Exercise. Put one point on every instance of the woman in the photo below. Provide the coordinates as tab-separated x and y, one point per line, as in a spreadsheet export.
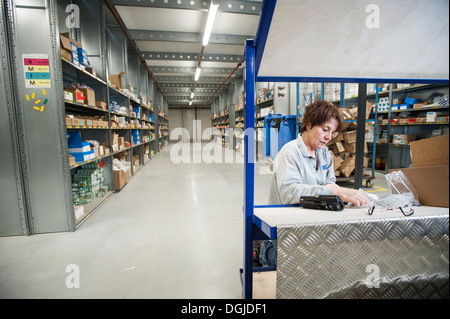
304	167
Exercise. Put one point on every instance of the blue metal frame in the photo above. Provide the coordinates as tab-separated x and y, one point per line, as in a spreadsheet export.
253	55
249	169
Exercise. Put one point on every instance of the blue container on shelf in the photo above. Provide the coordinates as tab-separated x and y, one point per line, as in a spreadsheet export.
278	130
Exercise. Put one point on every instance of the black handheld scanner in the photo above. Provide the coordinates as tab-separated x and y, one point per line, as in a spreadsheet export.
322	202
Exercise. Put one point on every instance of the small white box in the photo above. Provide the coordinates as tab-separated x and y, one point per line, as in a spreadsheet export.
431	116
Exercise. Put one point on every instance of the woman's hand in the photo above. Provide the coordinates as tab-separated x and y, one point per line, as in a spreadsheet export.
353	196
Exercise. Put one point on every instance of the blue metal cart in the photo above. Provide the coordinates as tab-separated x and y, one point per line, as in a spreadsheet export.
281	53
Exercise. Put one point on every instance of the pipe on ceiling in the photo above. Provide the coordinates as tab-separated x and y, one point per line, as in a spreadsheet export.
119	21
223	83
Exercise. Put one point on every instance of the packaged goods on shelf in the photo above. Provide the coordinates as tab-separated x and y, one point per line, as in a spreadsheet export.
403	138
431	116
69	48
83	57
88	183
136	137
68	96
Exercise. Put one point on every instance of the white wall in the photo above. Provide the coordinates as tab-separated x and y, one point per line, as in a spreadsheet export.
185	119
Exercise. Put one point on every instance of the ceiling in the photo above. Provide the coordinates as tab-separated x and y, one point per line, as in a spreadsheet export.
169	34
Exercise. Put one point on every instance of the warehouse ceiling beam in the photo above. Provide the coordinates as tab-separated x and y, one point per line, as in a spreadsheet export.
172	69
231	6
186	85
188	79
186	98
186	56
183	94
193	37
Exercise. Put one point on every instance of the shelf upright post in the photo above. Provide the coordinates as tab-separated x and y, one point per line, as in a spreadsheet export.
374	146
249	166
360	132
39	111
386	167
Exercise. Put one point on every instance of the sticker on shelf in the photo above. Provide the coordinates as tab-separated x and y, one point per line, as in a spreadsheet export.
40	104
37	71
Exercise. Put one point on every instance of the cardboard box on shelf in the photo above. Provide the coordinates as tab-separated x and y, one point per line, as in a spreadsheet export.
349	137
89	95
121	142
337	160
404	137
400	141
69	47
77	95
121	179
71	160
430	183
348	166
340	147
430	151
116	80
100	104
351	147
78	122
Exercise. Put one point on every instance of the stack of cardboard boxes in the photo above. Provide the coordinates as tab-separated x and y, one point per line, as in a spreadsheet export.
264	94
73	51
429	172
343	145
241	103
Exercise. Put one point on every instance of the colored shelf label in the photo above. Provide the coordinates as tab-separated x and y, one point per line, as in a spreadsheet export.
37	71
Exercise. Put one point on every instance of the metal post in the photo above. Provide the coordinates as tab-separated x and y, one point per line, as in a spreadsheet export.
249	168
360	132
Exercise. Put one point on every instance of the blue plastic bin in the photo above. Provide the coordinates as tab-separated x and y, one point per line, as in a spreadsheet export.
278	130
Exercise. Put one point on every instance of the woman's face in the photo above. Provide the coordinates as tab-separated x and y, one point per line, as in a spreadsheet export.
320	135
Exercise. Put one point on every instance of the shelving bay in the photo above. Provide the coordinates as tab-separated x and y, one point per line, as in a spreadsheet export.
137	130
220	125
394	123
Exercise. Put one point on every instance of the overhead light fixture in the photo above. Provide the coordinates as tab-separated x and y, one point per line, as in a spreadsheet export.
192	95
197	73
190	102
210	22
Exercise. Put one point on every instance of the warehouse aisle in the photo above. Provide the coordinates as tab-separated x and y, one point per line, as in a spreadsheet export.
174	231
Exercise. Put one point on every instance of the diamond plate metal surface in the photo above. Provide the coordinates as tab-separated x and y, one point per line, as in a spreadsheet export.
399	258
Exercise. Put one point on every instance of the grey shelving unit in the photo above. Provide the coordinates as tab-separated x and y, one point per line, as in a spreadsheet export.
34	131
403	121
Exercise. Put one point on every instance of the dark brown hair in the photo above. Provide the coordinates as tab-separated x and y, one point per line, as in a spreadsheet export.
320	112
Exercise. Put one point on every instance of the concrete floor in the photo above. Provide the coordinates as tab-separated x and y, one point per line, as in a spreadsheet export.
174	231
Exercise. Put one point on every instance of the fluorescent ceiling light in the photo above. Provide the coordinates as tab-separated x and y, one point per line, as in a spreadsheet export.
210	22
197	73
190	102
192	95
